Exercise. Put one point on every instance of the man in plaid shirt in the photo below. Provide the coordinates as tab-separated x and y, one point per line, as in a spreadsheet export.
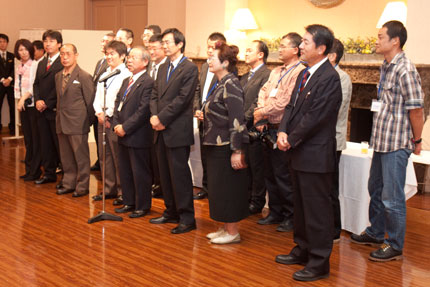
396	133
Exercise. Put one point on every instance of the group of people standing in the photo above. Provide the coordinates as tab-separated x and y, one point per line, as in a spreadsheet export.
280	131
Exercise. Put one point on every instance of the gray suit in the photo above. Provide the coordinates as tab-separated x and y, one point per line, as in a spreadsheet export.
74	107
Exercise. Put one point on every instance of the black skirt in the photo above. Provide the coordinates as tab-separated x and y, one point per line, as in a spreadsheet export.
227	188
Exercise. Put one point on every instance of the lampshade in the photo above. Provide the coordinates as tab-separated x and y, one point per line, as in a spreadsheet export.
243	20
393	11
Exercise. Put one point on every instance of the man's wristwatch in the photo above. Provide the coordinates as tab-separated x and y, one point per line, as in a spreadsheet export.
418	141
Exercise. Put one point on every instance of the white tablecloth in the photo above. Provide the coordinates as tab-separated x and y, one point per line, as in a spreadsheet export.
354	197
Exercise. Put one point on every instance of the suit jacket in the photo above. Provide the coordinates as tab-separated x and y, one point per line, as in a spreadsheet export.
172	102
98	71
251	90
201	85
7	67
44	86
75	105
310	122
134	115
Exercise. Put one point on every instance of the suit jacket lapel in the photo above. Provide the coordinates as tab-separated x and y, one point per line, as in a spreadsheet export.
175	74
306	91
73	76
134	87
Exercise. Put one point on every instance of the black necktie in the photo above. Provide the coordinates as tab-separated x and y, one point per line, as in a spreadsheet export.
170	71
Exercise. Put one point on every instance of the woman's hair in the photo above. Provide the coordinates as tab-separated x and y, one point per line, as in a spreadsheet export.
229	54
27	45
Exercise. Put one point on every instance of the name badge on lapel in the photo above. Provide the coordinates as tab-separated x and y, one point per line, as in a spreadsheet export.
376	106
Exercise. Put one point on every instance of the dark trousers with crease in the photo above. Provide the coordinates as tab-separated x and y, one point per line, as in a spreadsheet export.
278	183
32	142
135	175
313	219
49	145
176	181
257	186
335	199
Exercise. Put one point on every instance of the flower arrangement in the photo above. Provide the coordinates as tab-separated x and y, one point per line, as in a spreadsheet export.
360	46
272	44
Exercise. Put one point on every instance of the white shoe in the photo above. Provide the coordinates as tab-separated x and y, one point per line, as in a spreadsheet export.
226	238
215	234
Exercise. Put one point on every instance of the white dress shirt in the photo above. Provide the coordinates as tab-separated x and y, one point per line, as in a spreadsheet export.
113	85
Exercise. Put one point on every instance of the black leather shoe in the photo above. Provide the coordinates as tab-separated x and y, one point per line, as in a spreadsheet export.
45	179
23	176
31	178
63	190
99	197
138	213
305	275
253	209
289	259
118	201
385	253
124	209
80	193
162	220
59	185
183	228
95	167
269	220
285	226
156	191
366	239
201	195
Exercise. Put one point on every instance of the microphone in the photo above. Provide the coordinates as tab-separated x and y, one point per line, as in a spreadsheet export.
114	73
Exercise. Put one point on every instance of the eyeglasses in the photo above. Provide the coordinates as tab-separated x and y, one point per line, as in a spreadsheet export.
285	47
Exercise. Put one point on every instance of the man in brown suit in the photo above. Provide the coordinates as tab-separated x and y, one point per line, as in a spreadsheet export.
75	95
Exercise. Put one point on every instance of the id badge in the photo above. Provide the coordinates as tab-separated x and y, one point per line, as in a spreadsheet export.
120	106
273	93
376	106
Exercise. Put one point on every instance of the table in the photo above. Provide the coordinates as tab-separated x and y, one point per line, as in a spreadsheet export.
354	197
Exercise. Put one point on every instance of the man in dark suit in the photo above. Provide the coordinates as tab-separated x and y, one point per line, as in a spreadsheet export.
256	57
75	95
46	103
131	124
308	130
172	119
206	85
6	80
101	67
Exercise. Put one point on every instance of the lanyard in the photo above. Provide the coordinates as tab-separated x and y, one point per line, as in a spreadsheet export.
113	78
211	90
126	92
171	71
293	67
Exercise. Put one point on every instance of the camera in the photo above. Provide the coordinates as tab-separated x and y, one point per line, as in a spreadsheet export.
269	138
28	102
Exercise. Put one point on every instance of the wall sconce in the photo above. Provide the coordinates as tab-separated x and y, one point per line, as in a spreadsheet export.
393	11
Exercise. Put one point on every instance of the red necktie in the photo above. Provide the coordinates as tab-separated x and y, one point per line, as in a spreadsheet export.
304	79
49	65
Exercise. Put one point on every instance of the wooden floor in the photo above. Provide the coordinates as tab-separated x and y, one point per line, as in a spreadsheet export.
45	240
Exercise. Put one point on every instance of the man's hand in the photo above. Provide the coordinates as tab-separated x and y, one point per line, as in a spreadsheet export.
119	130
417	149
258	115
6	82
283	141
100	117
156	124
21	106
41	106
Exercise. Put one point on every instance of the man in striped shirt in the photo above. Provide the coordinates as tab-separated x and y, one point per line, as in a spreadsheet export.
396	133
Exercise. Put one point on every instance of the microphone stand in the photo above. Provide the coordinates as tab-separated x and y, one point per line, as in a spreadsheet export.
103	215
